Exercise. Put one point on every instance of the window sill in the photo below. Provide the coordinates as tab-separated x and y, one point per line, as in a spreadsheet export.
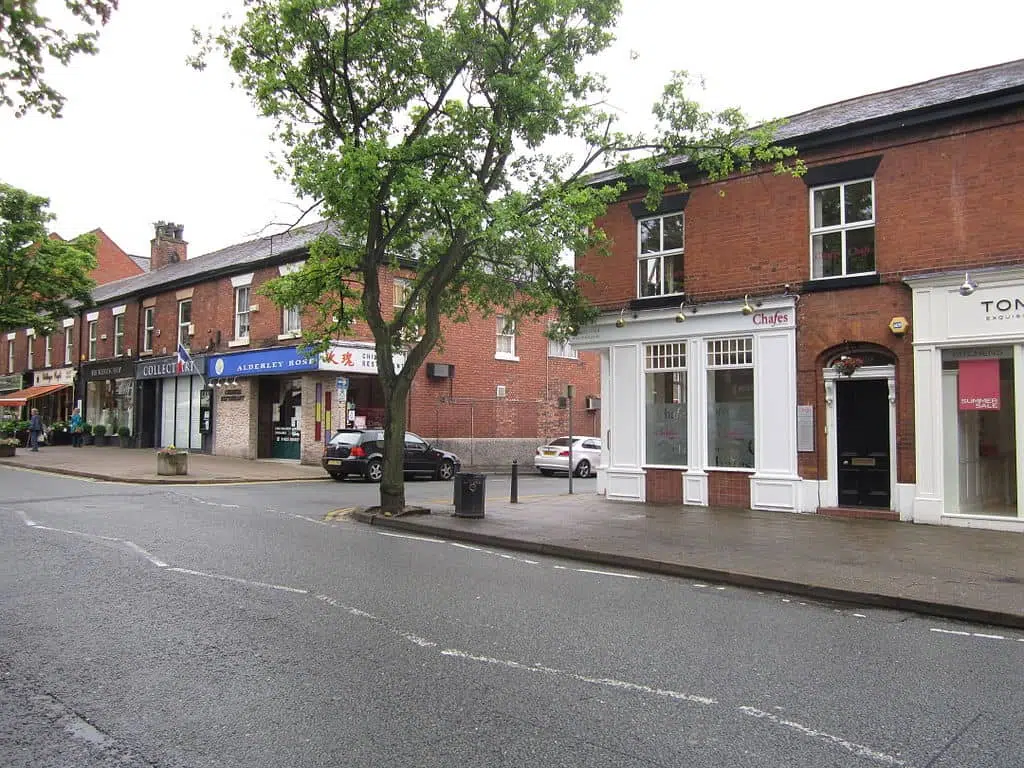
239	343
736	470
289	335
839	283
146	353
657	302
509	358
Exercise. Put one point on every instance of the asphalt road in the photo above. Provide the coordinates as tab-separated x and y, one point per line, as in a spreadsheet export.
233	626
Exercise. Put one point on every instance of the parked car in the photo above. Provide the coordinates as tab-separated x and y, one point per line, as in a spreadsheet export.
554	457
361	452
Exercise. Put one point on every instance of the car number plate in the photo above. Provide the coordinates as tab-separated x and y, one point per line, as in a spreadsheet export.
334	461
549	453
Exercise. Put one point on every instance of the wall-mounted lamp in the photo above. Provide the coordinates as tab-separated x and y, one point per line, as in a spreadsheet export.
680	317
968	286
621	322
218	384
746	309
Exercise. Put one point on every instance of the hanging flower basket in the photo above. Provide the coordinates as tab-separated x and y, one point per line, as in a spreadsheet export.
847	364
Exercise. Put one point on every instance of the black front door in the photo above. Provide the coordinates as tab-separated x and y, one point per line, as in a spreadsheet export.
148	406
862	438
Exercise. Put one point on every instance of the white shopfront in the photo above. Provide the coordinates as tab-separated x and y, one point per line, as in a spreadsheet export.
969	398
700	390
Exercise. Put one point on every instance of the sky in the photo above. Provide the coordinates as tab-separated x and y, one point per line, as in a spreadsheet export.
145	138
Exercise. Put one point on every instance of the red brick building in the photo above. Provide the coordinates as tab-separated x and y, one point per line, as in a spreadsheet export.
491	393
798	343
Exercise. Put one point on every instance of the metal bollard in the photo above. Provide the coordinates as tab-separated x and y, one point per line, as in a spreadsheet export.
514	499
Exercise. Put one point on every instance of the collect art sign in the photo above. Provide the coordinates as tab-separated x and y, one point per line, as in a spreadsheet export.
164	367
979	385
262	362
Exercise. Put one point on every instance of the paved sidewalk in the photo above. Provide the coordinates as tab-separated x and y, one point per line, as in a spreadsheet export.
956	573
138	465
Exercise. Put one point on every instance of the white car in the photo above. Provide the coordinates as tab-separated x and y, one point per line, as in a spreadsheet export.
554	457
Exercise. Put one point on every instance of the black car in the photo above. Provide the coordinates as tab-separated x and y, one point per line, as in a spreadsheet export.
361	452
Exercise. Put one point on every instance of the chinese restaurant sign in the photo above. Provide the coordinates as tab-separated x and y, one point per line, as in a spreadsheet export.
979	385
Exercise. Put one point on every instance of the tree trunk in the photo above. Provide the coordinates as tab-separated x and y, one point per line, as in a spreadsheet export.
392	484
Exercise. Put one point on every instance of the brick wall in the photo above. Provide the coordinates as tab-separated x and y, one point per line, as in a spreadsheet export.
729	489
664	486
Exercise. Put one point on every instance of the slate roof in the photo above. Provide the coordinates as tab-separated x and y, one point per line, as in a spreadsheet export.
912	102
234	258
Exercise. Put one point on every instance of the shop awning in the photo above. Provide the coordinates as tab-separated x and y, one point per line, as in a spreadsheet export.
22	396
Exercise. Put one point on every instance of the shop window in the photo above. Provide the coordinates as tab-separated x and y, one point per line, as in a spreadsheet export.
118	335
665	404
980	441
110	402
242	313
505	344
660	241
69	350
92	339
731	403
843	229
185	323
148	328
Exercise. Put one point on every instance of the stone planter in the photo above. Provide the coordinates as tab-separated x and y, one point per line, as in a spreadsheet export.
172	463
6	451
99	440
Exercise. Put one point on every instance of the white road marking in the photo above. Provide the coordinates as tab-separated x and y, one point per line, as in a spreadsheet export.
423	643
236	580
466	546
860	615
856	749
198	500
608	573
700	586
24	517
350	609
407	536
950	632
154	560
988	637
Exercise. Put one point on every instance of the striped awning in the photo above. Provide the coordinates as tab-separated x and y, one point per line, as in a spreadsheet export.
22	396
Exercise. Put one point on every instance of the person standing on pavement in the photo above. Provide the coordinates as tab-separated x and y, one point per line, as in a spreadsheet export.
76	428
35	429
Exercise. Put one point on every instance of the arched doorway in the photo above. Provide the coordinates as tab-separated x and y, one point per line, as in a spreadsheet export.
860	397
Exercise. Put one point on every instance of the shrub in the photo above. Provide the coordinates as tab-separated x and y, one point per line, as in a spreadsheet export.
99	430
86	428
124	432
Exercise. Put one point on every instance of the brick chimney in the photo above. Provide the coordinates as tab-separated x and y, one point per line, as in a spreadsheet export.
167	247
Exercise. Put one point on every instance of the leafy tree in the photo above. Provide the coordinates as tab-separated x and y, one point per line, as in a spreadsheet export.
28	39
39	275
421	128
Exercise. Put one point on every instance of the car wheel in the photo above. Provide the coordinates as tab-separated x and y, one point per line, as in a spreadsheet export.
547	472
446	470
374	470
583	468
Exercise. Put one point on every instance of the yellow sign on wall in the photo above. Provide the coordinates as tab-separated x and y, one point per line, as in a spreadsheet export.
899	325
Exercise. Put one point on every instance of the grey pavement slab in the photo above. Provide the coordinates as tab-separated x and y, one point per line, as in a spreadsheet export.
138	465
957	573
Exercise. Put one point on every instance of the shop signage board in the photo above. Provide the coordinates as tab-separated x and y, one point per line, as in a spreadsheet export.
10	382
274	361
164	367
63	376
979	385
354	358
123	369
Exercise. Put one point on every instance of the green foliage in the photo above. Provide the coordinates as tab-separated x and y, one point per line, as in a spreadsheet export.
86	428
13	427
39	276
420	127
99	430
124	432
29	40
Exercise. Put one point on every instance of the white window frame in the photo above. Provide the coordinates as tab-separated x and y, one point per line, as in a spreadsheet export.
561	349
92	338
402	289
148	328
842	228
30	336
118	335
661	255
183	338
290	330
69	347
10	355
48	352
505	331
242	296
668	357
728	353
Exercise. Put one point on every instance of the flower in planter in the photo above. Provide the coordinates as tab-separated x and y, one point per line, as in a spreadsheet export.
170	449
847	364
10	441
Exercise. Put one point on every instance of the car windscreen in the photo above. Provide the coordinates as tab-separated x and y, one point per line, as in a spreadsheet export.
346	438
560	441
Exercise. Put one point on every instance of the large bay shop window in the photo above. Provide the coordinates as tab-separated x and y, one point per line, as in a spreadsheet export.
731	403
665	404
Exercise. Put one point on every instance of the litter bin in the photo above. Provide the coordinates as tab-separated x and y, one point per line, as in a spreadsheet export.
469	494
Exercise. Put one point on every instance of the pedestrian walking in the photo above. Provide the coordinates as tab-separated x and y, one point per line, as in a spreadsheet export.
35	429
76	428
